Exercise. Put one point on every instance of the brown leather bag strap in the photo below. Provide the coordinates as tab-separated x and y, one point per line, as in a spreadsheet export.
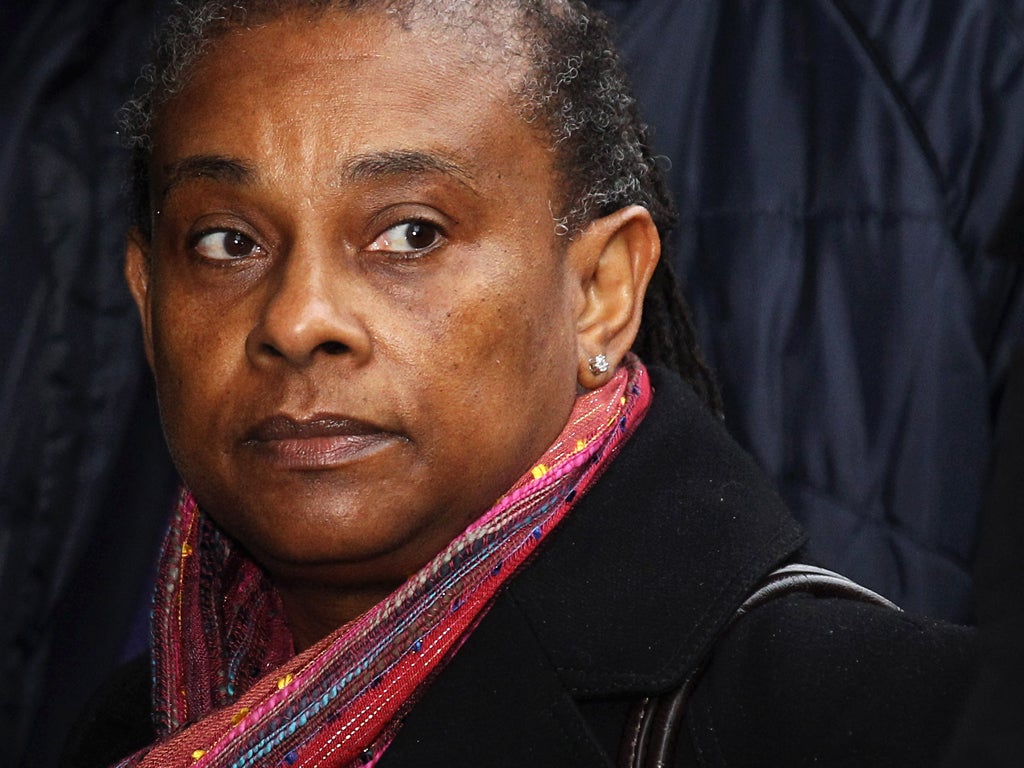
654	723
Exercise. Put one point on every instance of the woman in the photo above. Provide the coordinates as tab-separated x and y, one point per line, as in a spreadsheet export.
390	260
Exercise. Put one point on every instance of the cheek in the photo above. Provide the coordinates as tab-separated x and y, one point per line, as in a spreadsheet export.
193	370
496	333
511	342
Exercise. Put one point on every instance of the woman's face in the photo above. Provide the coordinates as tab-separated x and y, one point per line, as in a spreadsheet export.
360	320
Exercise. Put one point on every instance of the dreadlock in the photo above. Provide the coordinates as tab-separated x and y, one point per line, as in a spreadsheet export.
574	91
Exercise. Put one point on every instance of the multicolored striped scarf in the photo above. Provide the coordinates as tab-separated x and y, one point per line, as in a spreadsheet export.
228	688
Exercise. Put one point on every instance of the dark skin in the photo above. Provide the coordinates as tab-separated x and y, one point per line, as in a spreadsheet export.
362	325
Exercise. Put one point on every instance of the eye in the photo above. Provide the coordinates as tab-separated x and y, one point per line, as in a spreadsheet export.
224	245
408	237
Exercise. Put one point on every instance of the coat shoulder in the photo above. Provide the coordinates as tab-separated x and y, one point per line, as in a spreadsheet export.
823	681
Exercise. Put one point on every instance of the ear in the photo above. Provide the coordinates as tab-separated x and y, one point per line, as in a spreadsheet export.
137	271
615	257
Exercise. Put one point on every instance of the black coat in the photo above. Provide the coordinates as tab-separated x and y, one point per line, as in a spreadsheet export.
633	591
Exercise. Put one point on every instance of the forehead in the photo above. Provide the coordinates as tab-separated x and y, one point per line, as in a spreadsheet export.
353	81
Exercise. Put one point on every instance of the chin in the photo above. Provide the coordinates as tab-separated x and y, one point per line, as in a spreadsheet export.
301	543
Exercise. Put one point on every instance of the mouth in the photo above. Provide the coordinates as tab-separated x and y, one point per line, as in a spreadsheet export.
318	442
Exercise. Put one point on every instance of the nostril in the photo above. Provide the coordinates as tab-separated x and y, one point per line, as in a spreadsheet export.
333	348
271	350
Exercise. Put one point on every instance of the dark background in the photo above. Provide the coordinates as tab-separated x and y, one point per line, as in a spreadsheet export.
850	177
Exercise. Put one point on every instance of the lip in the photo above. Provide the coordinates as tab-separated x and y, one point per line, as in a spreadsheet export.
318	442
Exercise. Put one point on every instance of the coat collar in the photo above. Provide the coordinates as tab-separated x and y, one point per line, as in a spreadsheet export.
625	598
654	561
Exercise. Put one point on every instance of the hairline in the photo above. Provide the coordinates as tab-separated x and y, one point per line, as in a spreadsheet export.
408	15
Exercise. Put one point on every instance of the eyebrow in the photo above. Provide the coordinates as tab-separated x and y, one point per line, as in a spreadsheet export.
365	167
216	167
401	162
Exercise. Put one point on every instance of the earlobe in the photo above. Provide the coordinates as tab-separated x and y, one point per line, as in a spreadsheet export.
615	257
137	269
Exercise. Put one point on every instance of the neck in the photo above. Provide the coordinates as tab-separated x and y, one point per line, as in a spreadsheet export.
314	611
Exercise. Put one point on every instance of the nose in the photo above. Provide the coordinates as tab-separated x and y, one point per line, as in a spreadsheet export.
307	314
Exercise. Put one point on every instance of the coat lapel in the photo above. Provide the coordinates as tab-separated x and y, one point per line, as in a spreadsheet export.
633	589
499	702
